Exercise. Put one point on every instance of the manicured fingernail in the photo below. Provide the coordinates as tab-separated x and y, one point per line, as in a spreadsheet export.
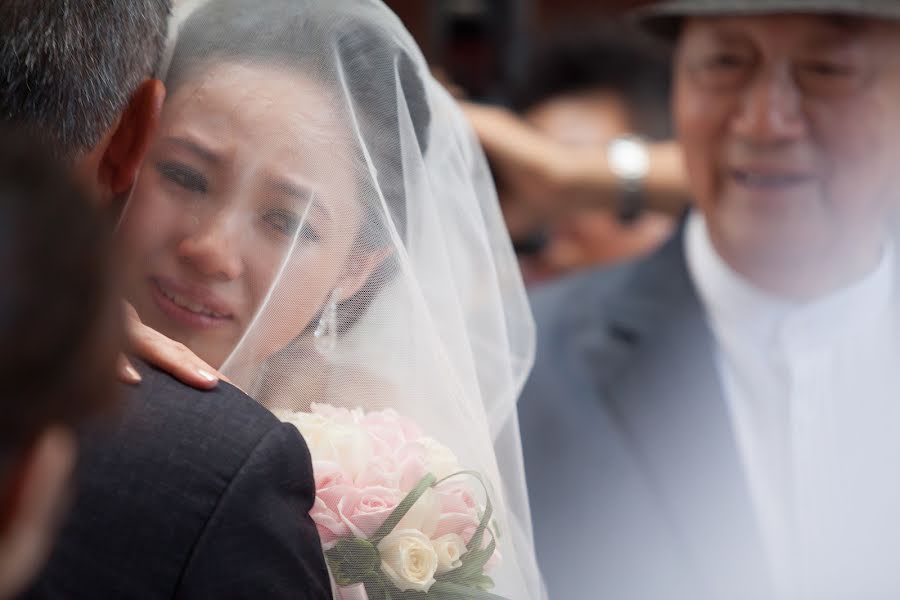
132	373
207	375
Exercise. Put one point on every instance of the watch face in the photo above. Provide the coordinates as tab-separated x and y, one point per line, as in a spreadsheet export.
628	158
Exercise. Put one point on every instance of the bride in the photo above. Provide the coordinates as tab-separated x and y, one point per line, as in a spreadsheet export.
316	220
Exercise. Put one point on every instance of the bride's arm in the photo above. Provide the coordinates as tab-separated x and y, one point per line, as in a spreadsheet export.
165	354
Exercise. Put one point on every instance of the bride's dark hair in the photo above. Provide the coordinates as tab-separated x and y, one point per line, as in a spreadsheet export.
287	34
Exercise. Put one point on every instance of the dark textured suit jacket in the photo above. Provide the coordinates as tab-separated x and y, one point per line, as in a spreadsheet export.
190	495
634	477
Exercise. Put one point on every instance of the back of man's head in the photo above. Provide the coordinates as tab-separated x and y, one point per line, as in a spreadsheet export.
59	338
68	68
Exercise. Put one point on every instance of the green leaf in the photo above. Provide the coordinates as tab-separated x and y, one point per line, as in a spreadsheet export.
405	505
477	559
352	560
471	572
483	582
468	582
476	541
472	567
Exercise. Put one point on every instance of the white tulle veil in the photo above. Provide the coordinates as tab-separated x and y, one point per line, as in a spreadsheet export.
383	274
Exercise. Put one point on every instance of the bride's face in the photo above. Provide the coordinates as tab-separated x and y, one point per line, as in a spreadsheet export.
250	179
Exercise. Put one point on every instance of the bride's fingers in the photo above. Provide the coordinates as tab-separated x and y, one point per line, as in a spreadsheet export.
168	355
127	373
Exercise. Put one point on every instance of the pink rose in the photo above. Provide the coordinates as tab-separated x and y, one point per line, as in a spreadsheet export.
363	511
328	474
332	496
413	465
456	497
328	523
389	427
459	511
326	514
401	468
463	524
381	471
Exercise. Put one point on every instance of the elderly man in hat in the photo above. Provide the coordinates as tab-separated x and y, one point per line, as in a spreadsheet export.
722	419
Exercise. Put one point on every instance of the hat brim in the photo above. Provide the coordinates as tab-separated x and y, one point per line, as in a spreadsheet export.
663	20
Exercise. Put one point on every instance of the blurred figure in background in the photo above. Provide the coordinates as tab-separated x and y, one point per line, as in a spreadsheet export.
721	419
59	336
585	90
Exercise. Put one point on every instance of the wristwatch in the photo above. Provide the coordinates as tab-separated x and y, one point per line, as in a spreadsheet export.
629	161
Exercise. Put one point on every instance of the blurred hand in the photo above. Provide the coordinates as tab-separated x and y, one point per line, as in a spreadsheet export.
170	356
549	177
530	167
522	158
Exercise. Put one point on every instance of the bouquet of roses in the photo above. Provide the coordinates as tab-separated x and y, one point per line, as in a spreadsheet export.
396	512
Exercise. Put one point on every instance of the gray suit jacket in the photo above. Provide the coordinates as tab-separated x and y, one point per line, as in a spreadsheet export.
189	494
634	478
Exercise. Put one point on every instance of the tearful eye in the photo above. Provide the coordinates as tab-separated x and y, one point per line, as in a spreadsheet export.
830	69
287	223
183	176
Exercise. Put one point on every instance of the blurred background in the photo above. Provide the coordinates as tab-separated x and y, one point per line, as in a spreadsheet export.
572	71
485	45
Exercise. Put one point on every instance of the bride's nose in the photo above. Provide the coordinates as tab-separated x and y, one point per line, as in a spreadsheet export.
213	246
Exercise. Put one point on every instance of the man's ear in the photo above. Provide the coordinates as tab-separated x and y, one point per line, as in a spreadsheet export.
359	271
130	139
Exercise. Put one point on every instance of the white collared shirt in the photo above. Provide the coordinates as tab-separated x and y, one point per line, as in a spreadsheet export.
804	383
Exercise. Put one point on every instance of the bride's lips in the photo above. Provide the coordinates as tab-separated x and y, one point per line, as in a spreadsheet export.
190	305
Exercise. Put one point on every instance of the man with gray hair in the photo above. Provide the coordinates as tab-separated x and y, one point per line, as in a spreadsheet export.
722	419
77	74
186	494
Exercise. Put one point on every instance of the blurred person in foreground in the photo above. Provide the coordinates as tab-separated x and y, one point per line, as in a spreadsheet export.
59	337
185	485
722	418
585	90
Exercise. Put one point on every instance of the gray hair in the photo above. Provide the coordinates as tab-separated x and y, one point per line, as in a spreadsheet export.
69	67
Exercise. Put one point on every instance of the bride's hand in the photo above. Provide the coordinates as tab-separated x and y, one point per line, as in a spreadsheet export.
170	356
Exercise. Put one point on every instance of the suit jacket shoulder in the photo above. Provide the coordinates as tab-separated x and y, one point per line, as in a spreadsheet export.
564	304
586	323
190	494
630	459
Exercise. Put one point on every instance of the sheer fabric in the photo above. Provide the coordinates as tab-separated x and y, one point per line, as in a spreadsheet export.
317	220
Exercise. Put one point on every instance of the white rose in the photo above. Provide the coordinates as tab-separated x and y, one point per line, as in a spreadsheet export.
449	549
424	515
347	445
311	426
440	459
409	560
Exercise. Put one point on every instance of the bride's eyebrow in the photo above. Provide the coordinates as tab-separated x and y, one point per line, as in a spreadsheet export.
204	153
301	193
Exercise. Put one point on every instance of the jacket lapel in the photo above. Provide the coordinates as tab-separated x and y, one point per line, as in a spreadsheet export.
666	395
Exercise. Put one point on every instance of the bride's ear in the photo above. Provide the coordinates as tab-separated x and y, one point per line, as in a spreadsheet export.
359	269
130	138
